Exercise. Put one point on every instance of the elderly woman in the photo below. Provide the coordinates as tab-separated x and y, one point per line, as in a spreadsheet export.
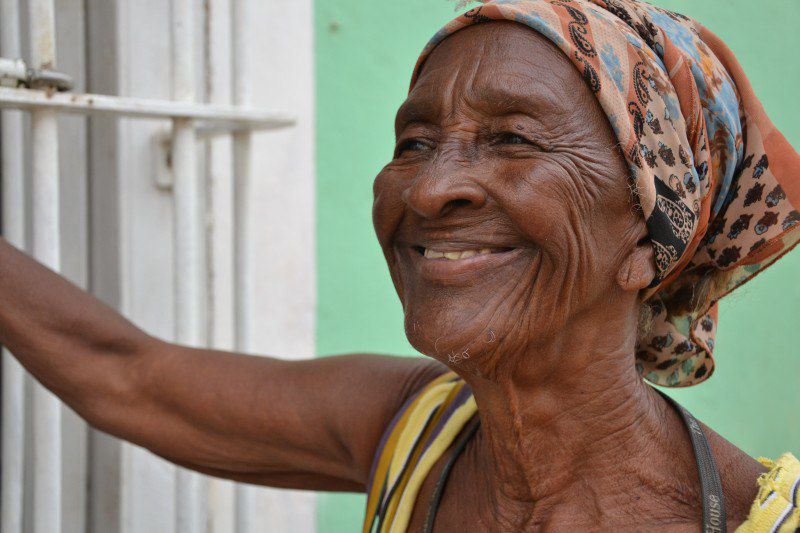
574	186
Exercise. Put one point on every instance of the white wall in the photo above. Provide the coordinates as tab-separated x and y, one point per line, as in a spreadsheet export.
118	238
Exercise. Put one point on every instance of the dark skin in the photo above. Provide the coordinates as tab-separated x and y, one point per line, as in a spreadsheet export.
501	145
503	153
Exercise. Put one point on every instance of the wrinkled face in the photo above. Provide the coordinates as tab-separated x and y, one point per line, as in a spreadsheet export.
505	211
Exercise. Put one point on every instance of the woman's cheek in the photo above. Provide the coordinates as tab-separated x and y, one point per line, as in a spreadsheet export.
387	208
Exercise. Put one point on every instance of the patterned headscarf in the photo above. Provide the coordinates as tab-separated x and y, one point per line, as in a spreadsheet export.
717	183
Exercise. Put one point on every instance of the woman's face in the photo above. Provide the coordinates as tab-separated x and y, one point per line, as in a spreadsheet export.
505	211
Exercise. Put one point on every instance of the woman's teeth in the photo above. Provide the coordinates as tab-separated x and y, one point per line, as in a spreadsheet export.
465	254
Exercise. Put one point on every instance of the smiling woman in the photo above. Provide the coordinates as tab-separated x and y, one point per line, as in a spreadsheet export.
534	178
543	198
501	146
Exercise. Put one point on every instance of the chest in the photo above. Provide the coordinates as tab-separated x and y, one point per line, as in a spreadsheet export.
465	507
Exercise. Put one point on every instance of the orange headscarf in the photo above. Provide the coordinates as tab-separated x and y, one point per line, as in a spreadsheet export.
718	185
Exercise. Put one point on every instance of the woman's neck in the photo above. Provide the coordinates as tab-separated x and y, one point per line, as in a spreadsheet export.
574	436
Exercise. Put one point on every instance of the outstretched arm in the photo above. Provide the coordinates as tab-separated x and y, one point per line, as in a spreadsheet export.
310	424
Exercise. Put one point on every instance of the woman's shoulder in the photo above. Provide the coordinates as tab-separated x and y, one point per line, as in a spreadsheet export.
777	504
430	408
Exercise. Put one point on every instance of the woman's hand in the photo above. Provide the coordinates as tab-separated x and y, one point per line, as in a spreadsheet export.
311	424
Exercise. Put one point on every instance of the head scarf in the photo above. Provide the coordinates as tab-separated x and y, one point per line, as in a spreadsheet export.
717	183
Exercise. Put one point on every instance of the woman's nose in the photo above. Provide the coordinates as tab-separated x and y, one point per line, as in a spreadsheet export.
433	196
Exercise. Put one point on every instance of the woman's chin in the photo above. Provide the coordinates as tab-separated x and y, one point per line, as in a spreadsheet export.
453	348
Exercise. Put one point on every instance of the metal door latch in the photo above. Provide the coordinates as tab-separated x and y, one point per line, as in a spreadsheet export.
16	73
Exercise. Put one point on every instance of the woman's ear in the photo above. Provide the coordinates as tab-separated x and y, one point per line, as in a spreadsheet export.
638	269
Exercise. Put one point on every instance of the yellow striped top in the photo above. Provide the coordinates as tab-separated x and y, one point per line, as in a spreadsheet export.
431	420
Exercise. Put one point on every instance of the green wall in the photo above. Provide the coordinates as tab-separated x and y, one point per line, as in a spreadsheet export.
364	55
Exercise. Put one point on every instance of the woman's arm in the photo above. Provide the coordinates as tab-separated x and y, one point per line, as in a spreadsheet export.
310	424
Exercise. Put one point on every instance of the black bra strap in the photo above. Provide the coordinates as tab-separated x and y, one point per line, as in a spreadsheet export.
714	515
438	490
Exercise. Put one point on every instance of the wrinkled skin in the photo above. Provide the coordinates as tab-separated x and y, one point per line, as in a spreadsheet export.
501	145
505	149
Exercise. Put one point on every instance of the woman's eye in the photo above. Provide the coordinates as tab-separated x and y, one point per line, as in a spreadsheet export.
410	145
512	138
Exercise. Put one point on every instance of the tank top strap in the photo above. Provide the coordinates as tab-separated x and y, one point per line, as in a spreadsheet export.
417	437
777	504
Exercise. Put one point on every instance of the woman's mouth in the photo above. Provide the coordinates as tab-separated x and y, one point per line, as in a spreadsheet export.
454	254
449	263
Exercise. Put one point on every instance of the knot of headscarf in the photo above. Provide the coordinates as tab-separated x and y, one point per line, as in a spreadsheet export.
717	184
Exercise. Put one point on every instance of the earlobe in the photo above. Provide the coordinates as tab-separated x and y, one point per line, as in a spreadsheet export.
638	269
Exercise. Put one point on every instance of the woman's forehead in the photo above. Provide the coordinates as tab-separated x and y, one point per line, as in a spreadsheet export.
494	47
502	65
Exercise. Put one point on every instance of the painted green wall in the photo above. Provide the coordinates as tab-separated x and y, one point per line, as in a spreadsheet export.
364	55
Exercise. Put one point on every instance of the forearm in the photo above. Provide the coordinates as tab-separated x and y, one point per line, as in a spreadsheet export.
72	343
303	424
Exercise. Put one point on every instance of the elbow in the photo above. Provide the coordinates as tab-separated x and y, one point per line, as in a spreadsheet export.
114	396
